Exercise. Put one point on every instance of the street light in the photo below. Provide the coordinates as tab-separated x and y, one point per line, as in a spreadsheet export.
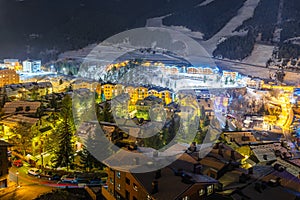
17	173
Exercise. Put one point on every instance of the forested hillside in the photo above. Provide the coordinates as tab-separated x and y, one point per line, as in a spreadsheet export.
263	22
207	19
43	28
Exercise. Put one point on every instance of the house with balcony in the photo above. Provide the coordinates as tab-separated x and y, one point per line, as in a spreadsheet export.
4	163
180	180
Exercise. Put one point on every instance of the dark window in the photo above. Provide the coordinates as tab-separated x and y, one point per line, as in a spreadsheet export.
127	194
127	181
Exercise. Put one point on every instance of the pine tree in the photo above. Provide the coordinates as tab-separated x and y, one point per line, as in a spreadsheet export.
64	153
226	127
106	114
89	161
86	159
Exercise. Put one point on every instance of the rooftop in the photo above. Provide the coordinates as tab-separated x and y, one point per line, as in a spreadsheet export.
25	107
15	119
240	138
4	144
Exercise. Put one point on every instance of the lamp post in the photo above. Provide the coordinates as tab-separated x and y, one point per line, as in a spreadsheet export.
17	173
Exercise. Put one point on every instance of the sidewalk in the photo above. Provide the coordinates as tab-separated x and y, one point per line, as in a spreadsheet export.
11	186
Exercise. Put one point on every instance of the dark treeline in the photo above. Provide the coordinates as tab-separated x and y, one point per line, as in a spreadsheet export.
43	29
207	19
288	50
263	22
291	19
236	47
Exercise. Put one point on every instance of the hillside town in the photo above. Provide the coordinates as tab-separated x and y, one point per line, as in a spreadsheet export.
255	153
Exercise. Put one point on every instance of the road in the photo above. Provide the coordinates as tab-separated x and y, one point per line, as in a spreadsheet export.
30	187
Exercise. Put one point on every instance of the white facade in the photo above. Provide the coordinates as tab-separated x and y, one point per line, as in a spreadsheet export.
11	62
32	66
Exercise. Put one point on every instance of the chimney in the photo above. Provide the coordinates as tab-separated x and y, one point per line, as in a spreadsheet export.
179	172
220	151
154	187
265	157
158	174
192	147
197	168
278	180
232	155
250	170
216	146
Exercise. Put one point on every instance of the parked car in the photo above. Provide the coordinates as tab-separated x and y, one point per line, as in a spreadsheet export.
49	175
96	181
33	171
68	179
83	182
55	177
18	163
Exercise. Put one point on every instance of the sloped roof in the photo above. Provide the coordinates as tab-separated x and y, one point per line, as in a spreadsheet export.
10	107
212	162
171	186
15	119
4	144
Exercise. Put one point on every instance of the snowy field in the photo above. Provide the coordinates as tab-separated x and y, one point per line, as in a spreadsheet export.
244	13
260	54
260	72
210	45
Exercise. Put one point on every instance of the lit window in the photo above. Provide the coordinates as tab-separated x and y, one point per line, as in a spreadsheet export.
135	187
210	189
186	198
118	186
201	192
119	174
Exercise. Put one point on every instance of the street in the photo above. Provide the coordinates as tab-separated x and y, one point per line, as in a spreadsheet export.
30	187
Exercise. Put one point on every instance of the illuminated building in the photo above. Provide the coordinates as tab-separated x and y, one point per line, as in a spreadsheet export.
139	94
8	76
3	163
118	90
230	75
172	70
153	92
26	108
28	91
81	84
130	91
108	91
192	70
164	94
12	64
167	183
32	66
